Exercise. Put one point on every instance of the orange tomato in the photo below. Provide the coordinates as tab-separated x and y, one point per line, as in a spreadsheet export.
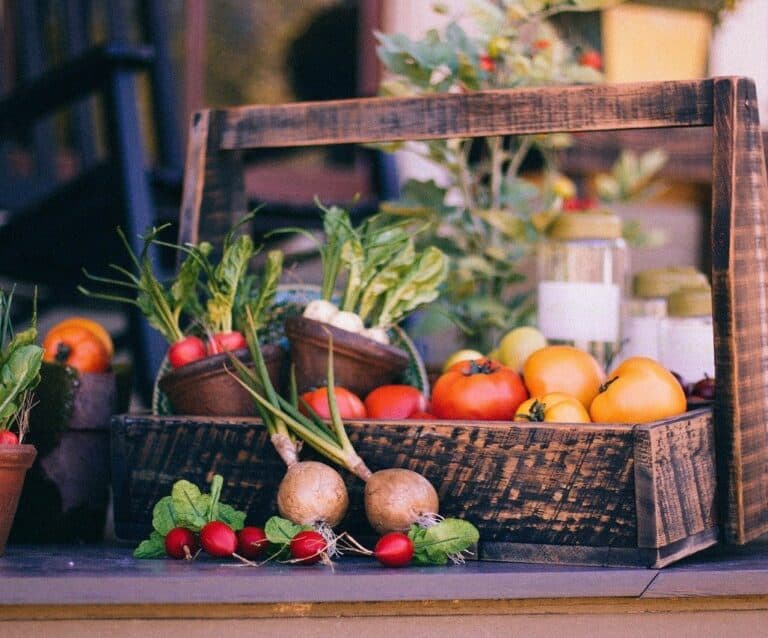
89	324
77	347
638	391
563	369
553	407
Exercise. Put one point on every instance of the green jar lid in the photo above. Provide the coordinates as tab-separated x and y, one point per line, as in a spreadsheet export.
690	301
662	282
585	225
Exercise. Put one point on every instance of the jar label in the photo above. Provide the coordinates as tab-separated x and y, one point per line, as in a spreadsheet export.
579	311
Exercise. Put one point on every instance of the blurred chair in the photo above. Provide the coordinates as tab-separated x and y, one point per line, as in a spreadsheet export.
73	161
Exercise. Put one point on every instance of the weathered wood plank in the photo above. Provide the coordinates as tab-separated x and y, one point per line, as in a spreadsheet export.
740	296
550	486
540	110
214	192
689	151
675	479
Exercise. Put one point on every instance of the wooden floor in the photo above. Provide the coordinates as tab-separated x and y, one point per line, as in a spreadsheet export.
102	591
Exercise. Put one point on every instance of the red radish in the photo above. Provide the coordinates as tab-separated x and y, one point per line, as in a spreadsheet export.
251	542
307	547
226	342
218	539
8	438
186	350
394	549
180	543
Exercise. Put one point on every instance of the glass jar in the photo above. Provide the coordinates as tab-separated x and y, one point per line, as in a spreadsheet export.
686	338
582	269
647	307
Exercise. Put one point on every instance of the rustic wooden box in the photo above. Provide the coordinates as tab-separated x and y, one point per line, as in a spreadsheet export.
596	494
602	494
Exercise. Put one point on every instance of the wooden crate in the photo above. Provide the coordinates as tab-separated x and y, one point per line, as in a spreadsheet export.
214	197
538	492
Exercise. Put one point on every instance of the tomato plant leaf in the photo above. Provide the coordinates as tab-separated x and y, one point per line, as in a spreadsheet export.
153	547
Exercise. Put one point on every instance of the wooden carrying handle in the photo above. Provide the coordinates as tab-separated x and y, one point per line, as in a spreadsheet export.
214	196
740	308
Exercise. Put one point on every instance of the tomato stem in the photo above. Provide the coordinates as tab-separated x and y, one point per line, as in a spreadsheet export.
606	385
62	352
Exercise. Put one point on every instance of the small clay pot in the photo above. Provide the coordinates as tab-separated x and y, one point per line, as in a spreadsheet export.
15	460
207	387
360	364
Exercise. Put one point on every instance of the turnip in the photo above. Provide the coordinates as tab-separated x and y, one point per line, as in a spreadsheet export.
312	493
396	498
251	542
377	334
320	310
180	543
218	539
349	321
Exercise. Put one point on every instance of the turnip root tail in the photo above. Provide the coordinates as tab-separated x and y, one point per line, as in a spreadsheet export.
397	498
312	493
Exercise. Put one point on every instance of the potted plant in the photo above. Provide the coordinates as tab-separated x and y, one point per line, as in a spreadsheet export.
20	360
201	313
382	278
492	199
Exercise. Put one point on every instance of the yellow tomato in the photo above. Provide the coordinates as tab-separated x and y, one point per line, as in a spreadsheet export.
553	407
563	369
638	391
518	344
461	355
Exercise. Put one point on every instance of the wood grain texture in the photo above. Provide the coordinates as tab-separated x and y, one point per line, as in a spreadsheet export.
548	486
675	479
689	151
503	112
740	302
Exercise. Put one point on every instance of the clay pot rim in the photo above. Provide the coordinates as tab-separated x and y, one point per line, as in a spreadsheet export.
21	455
353	345
214	365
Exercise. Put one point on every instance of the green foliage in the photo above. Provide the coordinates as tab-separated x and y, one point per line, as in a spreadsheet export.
20	361
187	507
448	539
488	216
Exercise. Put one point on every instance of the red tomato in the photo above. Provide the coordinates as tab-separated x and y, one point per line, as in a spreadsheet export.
8	438
350	405
186	350
394	402
425	416
479	389
487	63
226	342
591	58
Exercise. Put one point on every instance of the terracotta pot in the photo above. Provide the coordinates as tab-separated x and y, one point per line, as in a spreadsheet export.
68	485
360	364
207	387
15	460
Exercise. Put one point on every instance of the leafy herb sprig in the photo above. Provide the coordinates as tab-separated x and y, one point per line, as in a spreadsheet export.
187	507
161	304
20	360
